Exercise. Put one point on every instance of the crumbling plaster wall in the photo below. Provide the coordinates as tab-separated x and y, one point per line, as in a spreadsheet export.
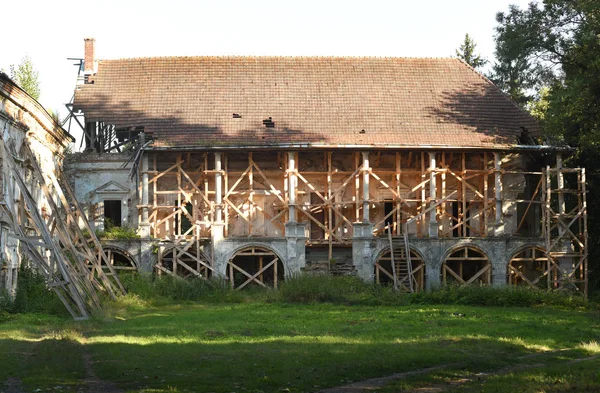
24	121
97	177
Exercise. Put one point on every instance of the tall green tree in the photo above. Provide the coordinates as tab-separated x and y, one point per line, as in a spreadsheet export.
466	51
26	76
556	44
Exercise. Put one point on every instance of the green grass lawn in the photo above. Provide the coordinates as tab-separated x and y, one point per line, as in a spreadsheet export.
270	347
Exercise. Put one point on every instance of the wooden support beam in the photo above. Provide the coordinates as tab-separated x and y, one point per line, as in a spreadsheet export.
329	207
398	207
218	189
499	227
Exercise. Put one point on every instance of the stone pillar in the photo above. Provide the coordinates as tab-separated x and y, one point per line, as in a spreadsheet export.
217	228
499	257
292	181
366	176
144	230
295	234
147	256
433	224
433	253
362	250
499	225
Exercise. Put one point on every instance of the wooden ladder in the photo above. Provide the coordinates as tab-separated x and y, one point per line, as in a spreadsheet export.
403	271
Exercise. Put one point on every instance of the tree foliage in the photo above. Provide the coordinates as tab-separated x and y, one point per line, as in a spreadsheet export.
556	44
27	77
467	53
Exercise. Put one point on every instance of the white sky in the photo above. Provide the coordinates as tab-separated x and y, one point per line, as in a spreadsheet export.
51	31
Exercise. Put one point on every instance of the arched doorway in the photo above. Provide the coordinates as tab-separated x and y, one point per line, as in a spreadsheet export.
121	260
531	266
384	274
255	265
467	265
184	262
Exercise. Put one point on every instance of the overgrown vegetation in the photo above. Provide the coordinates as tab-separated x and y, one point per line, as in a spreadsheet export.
32	296
168	290
114	232
343	290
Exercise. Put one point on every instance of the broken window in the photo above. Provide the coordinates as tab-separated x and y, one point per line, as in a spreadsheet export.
112	213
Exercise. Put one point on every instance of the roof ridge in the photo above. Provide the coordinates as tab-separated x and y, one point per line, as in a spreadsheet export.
280	57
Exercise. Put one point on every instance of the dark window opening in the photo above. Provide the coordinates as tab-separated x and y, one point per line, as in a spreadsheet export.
387	209
458	216
186	223
466	219
455	219
318	212
112	214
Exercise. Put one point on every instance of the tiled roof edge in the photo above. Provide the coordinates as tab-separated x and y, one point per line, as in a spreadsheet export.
508	97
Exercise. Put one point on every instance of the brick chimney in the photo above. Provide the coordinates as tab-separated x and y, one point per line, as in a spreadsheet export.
90	65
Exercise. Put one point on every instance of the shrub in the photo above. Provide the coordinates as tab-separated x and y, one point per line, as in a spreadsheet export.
510	296
339	290
335	289
118	233
33	295
113	232
170	289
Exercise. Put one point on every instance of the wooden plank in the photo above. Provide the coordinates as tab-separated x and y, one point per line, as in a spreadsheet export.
329	207
398	207
463	197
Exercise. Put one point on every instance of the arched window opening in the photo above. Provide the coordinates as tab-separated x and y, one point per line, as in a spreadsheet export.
531	266
384	273
184	262
255	266
467	265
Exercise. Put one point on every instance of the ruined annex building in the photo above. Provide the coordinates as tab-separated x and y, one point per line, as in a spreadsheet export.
411	172
40	221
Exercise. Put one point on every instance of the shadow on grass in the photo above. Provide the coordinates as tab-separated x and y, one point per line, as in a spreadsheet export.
270	347
287	363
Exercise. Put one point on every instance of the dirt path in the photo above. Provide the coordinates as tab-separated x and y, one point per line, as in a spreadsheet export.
378	383
92	383
12	385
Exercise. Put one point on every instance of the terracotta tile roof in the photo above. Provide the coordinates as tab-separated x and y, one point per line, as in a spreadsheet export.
191	101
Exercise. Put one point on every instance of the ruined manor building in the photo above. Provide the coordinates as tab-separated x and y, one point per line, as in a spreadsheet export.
30	138
411	172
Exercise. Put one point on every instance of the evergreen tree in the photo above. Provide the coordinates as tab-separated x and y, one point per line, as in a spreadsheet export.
27	77
466	52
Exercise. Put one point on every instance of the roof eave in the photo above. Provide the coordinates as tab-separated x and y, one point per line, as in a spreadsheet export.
306	146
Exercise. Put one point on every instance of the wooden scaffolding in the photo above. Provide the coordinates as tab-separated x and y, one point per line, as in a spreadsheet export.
565	226
414	194
56	237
